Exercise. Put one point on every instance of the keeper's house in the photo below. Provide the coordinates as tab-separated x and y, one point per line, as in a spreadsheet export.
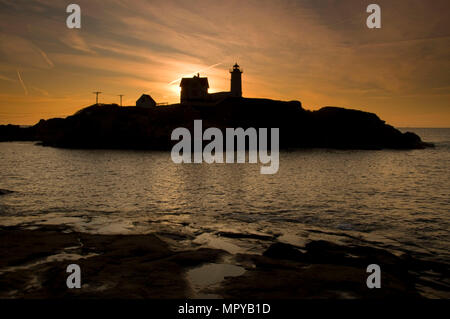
196	89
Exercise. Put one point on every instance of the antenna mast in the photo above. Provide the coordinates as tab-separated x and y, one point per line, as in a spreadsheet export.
96	96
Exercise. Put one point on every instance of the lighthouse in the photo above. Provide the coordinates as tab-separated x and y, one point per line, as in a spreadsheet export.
236	81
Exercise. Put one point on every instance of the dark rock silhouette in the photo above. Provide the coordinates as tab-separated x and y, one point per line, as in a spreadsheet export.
5	192
111	126
244	235
132	266
145	266
16	133
322	269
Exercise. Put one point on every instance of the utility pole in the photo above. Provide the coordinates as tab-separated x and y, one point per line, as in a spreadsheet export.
96	97
120	99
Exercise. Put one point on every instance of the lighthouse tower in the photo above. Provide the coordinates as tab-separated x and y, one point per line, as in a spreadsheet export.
236	81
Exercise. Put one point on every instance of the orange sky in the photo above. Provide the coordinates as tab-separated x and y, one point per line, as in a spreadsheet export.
318	52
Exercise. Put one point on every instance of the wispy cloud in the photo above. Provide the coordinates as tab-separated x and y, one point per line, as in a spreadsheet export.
5	78
17	50
40	91
45	57
74	40
193	73
22	83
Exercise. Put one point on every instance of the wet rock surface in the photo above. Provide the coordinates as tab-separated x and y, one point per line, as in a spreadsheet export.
119	266
326	270
33	265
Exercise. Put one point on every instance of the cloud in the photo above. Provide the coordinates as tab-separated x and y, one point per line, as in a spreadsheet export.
45	57
5	78
75	41
22	83
21	51
40	91
196	72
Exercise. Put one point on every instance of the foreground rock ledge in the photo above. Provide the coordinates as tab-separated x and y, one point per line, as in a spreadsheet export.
34	262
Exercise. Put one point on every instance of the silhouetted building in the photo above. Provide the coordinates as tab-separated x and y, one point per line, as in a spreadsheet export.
236	81
194	89
145	101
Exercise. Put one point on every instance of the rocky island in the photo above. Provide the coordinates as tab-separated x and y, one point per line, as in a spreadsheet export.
112	126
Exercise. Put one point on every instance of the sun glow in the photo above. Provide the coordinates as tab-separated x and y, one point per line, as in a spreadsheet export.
175	89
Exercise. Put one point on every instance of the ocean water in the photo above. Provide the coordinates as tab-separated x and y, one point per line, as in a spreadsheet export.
397	200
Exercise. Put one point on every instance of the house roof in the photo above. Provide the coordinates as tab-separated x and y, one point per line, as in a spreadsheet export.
146	96
194	80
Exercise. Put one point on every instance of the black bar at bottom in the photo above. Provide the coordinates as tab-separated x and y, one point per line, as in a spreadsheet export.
199	308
